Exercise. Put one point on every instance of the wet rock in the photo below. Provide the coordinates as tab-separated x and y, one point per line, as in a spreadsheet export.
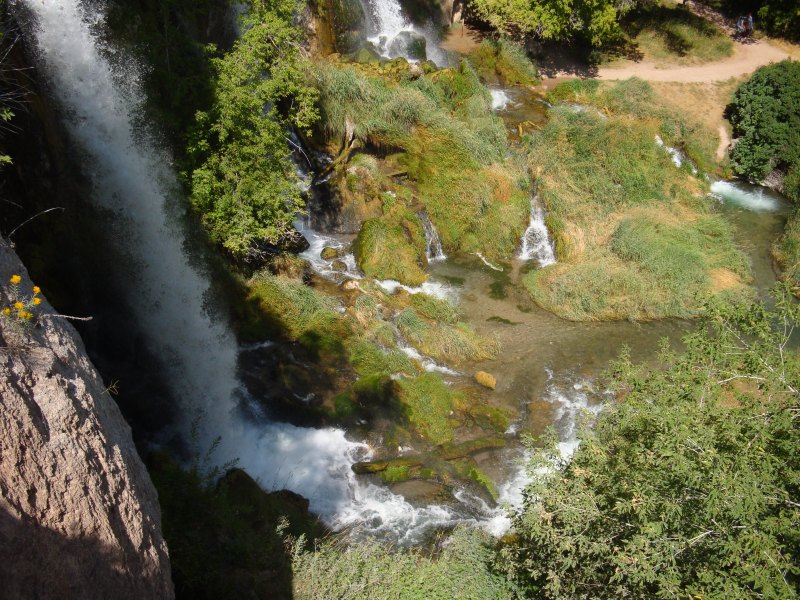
329	253
486	380
350	284
339	265
367	54
408	44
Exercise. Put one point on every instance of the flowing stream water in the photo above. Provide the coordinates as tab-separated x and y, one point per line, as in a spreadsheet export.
547	370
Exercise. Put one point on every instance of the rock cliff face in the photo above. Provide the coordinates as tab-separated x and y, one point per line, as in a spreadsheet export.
79	517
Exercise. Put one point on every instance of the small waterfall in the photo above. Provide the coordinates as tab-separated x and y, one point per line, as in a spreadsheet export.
324	267
391	32
133	180
433	249
753	198
678	157
536	243
500	99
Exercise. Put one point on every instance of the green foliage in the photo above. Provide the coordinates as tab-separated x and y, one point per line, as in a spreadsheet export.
244	184
765	114
368	358
592	21
687	486
503	61
777	17
428	402
786	251
298	311
371	571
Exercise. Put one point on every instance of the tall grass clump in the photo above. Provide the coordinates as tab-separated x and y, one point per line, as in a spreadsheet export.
368	358
384	251
454	343
298	312
504	61
428	402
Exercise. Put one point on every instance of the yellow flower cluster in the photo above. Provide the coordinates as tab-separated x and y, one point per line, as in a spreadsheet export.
21	305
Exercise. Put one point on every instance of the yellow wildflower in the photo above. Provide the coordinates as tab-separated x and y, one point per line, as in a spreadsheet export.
37	301
36	289
27	315
15	279
6	311
18	305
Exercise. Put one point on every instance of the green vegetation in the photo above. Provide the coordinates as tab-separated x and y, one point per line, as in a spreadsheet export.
671	33
592	21
243	184
439	132
454	343
289	307
765	115
374	571
367	358
384	251
435	309
621	213
503	61
687	486
428	402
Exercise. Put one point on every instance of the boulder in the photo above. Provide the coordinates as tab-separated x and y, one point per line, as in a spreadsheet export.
349	25
408	44
329	253
339	265
486	380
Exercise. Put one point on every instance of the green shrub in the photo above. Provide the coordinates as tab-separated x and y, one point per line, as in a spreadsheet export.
765	114
683	488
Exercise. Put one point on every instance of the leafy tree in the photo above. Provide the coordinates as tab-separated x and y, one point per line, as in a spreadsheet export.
776	17
245	185
765	114
688	486
596	21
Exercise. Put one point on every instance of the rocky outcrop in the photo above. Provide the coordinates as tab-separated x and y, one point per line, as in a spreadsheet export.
79	517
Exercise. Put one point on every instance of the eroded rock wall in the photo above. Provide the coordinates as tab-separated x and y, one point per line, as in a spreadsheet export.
79	516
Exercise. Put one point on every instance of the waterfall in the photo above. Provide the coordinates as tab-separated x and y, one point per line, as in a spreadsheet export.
500	99
393	34
753	198
132	179
536	243
433	250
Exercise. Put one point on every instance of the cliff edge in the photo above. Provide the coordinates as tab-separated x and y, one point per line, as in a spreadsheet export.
79	516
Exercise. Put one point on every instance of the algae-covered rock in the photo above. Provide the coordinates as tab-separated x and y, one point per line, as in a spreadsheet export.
339	265
329	253
367	54
384	251
486	379
408	44
349	24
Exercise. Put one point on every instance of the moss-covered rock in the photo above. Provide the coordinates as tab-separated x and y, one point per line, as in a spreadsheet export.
329	253
486	379
408	44
384	251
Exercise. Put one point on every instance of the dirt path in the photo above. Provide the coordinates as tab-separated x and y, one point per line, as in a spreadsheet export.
746	58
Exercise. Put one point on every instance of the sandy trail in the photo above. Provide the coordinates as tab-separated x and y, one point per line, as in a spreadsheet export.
745	59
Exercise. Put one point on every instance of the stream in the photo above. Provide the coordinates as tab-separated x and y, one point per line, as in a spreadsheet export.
547	371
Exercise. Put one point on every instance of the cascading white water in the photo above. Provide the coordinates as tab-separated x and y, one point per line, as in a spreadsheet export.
756	199
388	27
131	178
500	99
678	157
536	243
433	250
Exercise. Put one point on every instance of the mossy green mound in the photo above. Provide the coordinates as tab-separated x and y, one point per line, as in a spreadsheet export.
454	343
428	403
384	250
